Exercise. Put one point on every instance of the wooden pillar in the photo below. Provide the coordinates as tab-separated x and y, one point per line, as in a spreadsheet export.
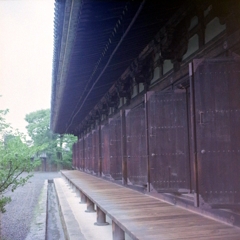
146	98
73	155
44	164
118	233
101	218
73	188
83	149
78	155
69	184
83	198
90	206
124	147
193	134
78	193
100	151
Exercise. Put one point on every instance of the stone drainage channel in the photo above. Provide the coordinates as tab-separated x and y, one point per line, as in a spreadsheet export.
46	223
54	227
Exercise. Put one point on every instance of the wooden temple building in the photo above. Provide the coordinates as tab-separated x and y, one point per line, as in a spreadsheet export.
152	91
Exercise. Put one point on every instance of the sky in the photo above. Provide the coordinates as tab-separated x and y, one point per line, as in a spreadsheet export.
26	50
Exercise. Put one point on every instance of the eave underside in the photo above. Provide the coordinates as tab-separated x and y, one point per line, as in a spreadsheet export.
100	27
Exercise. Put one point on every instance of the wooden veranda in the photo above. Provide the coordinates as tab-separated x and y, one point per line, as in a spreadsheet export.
141	216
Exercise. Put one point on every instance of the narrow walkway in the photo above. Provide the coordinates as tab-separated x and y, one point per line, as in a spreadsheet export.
144	217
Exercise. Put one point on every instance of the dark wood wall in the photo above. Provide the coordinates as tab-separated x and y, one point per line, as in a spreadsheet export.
163	140
179	131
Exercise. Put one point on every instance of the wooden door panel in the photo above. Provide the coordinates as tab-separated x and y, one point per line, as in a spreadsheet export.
115	147
168	142
217	110
105	150
81	157
88	153
94	152
136	146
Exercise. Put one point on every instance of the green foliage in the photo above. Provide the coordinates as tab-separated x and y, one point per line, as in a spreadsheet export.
15	159
58	148
64	150
38	127
3	124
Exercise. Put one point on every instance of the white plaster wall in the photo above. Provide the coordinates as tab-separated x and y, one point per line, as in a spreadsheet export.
193	45
167	66
213	28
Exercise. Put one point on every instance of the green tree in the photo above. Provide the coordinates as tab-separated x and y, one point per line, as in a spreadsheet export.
38	127
64	151
58	148
39	130
15	159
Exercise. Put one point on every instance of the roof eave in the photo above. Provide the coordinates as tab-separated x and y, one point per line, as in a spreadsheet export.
70	22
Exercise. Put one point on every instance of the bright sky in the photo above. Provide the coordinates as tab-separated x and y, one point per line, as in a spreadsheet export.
26	42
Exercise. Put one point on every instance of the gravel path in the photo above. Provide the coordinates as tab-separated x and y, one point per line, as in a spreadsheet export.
16	221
